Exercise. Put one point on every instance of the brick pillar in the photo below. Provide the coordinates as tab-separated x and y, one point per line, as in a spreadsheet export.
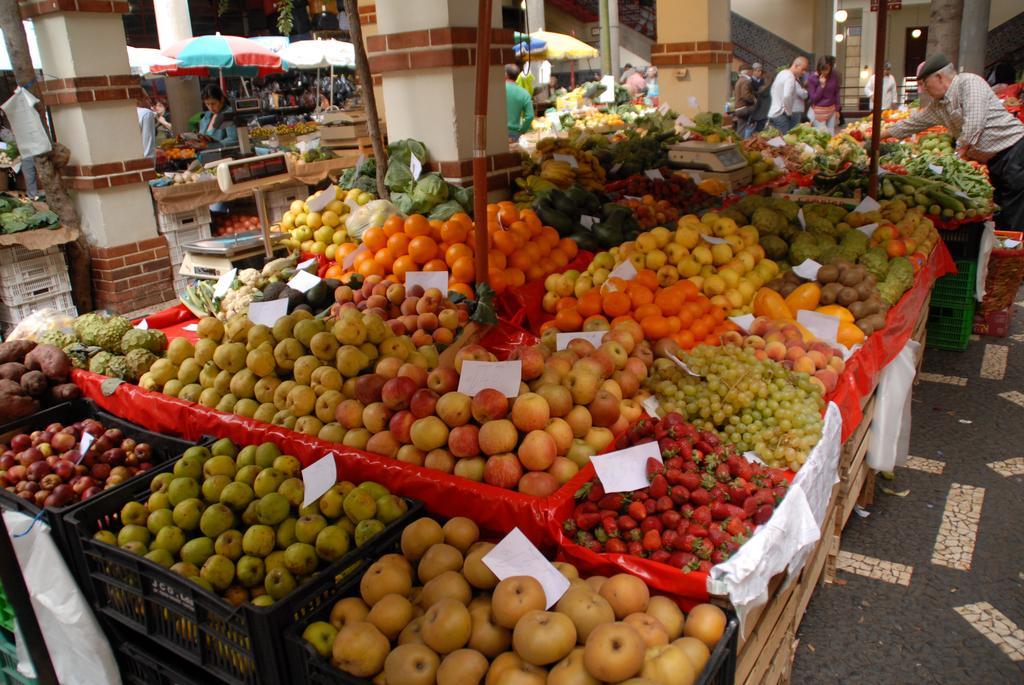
693	54
426	54
91	95
368	21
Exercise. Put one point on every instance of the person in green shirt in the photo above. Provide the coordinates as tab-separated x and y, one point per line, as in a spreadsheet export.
519	104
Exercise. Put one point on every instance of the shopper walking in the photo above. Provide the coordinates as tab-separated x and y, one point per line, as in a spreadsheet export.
985	132
652	86
890	95
636	84
823	95
518	104
788	96
147	123
744	100
761	86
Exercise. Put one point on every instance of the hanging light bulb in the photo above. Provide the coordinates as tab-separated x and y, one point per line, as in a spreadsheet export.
916	33
865	72
839	37
841	16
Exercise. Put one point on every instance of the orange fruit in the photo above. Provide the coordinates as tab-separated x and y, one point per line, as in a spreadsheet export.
454	231
668	301
569	247
514	277
645	310
422	249
435	229
463	289
685	339
384	258
685	319
334	271
398	244
505	242
496	279
568	319
623	319
688	289
455	251
700	329
402	266
394	224
616	303
496	260
559	258
369	267
718	314
547	266
655	327
590	303
463	269
508	214
647	278
344	250
639	295
375	239
549	236
565	303
417	225
674	323
435	265
546	325
534	272
530	218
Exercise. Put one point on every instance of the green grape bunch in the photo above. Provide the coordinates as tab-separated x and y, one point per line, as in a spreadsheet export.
756	405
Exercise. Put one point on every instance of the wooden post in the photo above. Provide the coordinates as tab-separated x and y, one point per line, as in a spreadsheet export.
369	99
876	105
47	168
483	68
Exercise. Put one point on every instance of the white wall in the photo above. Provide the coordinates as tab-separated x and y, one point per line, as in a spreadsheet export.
791	20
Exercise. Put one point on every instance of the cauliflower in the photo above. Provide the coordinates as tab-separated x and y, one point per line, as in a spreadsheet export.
237	302
249	277
876	261
99	362
109	334
768	221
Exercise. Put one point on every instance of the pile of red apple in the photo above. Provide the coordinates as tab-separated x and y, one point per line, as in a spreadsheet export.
427	317
703	502
571	405
45	467
782	341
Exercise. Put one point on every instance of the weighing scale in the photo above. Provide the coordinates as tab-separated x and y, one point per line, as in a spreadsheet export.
254	173
211	258
701	160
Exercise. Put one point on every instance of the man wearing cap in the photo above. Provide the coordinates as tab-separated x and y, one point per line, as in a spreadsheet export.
984	131
889	93
744	100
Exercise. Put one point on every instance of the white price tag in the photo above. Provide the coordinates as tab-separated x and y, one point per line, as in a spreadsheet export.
322	199
307	143
143	325
415	166
682	365
800	218
824	327
663	110
318	478
625	470
350	258
555	120
223	285
1011	243
504	377
615	168
714	240
684	121
654	174
693	102
651	405
903	108
191	328
868	229
779	163
568	159
427	280
807	148
632	197
562	340
744	321
303	281
868	204
935	169
777	141
807	269
359	164
753	458
267	313
626	271
302	266
84	444
515	555
586	221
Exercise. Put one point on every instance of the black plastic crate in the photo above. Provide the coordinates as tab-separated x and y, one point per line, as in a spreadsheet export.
238	645
143	662
964	242
165	449
307	667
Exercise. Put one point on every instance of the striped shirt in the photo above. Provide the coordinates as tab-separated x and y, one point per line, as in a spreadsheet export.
973	115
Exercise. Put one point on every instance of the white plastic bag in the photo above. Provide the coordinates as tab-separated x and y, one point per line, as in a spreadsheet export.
78	649
26	124
890	429
988	242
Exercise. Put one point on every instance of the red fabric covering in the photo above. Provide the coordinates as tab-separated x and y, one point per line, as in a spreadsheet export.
323	263
864	367
492	508
504	337
522	305
662	577
172	322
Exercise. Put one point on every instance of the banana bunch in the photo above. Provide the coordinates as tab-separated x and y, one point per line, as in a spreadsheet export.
530	187
587	173
558	172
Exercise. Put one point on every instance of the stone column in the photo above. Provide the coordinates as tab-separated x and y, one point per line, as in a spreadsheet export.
426	52
535	14
172	25
974	36
91	96
693	54
615	34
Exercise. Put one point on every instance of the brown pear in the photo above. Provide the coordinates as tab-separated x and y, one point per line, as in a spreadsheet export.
669	613
571	671
461	532
450	584
412	664
438	559
360	649
447	626
476	571
650	629
462	667
391	614
419	536
586	609
348	610
384	579
627	594
514	597
487	637
412	633
543	637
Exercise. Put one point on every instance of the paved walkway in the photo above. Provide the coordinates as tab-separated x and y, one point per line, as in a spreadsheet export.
931	582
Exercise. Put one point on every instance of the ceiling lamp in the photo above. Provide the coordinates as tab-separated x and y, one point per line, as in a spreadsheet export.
841	16
839	37
916	33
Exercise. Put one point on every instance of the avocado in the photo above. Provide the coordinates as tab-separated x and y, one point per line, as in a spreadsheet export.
332	284
273	291
317	296
607	235
295	298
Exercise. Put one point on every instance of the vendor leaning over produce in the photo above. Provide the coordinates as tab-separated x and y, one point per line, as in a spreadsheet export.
218	122
985	132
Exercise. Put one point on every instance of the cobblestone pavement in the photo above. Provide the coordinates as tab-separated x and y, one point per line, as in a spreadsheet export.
930	587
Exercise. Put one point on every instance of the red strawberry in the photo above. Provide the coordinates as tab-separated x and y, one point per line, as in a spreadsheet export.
700	497
698	530
671	519
569	527
586	521
664	504
651	523
719	493
636	549
701	516
626	523
718	556
652	540
685	561
702	549
704	566
610	526
674	476
651	505
659	486
690	481
637	510
596	492
722	474
686	510
690	467
669	539
615	546
717	535
673	464
719	511
763	513
660	556
654	467
634	535
614	501
679	494
734	526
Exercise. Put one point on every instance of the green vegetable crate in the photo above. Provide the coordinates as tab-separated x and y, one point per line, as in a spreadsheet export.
956	289
950	326
9	661
6	612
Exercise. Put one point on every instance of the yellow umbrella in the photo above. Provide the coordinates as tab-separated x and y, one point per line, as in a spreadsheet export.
562	47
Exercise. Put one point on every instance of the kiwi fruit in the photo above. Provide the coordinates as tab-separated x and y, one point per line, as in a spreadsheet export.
846	296
787	288
864	290
872	305
829	293
851	277
791	277
828	274
859	310
872	323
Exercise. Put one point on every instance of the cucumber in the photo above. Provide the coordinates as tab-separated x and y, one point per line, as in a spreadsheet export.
921	199
945	201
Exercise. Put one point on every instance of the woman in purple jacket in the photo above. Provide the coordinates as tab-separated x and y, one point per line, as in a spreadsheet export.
823	95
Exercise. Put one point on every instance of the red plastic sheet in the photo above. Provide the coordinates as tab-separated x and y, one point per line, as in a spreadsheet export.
504	337
662	577
864	368
172	322
322	262
522	305
493	508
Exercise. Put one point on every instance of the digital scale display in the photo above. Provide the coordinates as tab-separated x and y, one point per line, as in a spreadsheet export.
257	169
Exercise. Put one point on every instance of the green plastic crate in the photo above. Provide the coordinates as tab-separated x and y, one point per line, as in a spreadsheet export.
9	662
6	612
956	289
949	327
